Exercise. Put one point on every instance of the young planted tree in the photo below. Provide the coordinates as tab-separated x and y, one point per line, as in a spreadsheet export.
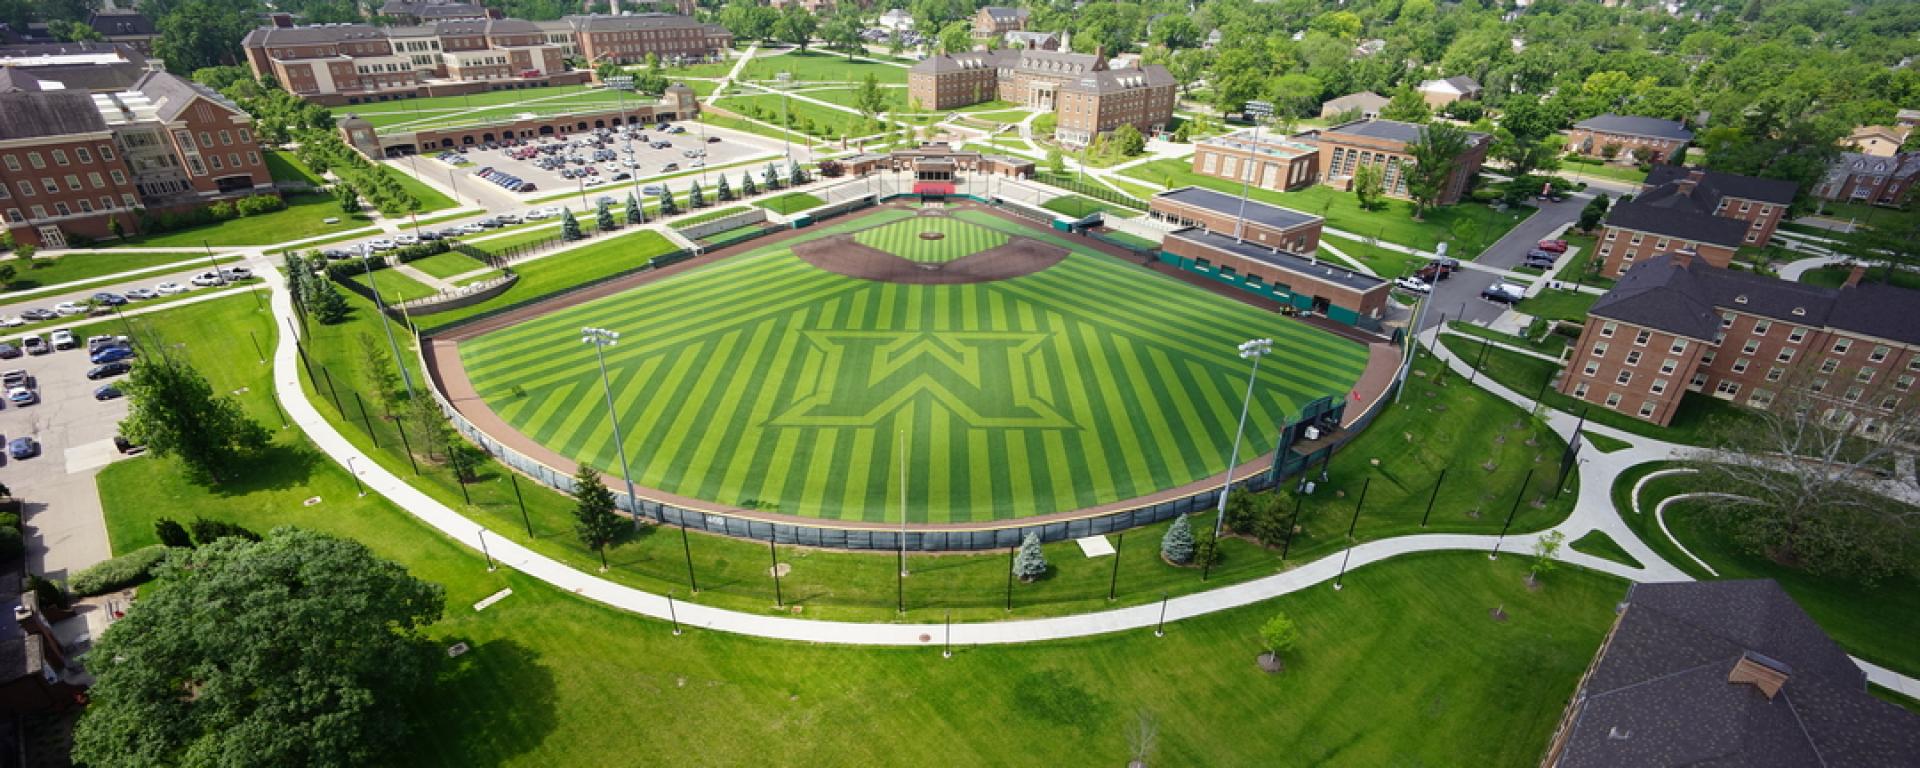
695	197
1366	186
569	226
175	412
1278	636
1177	545
171	533
1030	562
328	305
667	206
772	176
594	518
1593	213
725	191
1434	157
376	366
797	175
603	218
636	213
747	188
1544	550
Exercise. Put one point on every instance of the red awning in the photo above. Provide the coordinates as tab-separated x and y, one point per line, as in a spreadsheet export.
932	188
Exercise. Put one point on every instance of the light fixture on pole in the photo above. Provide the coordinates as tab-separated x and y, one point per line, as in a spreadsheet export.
602	338
379	304
1258	109
1252	349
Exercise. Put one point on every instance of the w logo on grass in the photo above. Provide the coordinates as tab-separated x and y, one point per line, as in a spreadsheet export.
986	379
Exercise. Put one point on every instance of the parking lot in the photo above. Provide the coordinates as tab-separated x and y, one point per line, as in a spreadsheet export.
75	432
558	165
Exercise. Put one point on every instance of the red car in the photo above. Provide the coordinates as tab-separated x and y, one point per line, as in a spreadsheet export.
1553	246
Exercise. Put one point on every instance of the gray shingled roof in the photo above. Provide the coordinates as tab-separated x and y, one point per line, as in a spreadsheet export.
1005	14
1324	271
1230	205
1659	293
1670	212
1630	125
1391	130
172	93
27	112
1362	100
1112	80
323	33
1659	695
121	23
600	23
1774	191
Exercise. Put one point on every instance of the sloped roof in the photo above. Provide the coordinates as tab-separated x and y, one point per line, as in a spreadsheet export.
1686	215
1392	130
1776	191
1659	293
119	23
321	33
1220	202
1113	80
171	94
1659	695
1364	100
628	22
1005	14
1631	125
1456	84
29	111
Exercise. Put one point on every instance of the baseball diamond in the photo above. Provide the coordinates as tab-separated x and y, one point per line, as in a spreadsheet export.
764	382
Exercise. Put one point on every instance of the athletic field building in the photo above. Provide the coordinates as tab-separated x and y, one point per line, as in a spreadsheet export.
677	103
1269	253
929	157
1276	161
1267	225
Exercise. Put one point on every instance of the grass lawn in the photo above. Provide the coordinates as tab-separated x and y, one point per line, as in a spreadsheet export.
1080	207
804	117
1383	262
1001	116
1575	270
445	265
1877	622
1873	216
305	216
712	69
996	443
557	272
394	286
1578	171
729	235
752	127
789	203
77	267
818	66
285	167
1694	424
1554	344
896	97
430	199
1605	444
721	213
1456	224
1602	546
1131	240
444	111
1558	305
1833	277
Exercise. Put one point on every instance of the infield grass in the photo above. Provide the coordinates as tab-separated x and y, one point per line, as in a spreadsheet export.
957	239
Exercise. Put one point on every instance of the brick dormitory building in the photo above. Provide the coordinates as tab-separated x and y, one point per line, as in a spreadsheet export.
1676	323
1088	98
1705	213
1385	144
73	159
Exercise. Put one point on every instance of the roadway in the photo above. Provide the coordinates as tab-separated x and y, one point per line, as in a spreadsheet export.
1458	297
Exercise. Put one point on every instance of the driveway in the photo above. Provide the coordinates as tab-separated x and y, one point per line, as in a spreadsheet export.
1458	297
65	529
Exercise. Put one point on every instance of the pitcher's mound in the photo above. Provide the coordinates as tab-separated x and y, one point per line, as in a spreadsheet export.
840	254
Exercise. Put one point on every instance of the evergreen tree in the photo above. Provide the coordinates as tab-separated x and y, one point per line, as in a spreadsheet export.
593	514
328	304
1177	545
796	174
349	199
569	226
725	193
636	213
297	275
773	178
667	206
171	533
604	217
747	189
1030	563
695	197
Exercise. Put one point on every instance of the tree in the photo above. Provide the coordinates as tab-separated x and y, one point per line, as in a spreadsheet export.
7	273
1030	562
1434	158
1593	213
667	205
1544	550
569	226
796	26
1177	545
1056	162
594	516
115	229
842	31
695	197
1176	32
1406	106
772	176
324	655
1127	140
869	97
636	214
956	37
607	70
206	531
328	305
796	174
203	33
747	188
1367	186
171	533
603	218
1278	636
376	365
725	191
74	32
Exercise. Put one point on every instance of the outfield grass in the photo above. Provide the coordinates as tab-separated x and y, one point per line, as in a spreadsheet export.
817	66
549	274
958	239
1056	403
77	267
446	265
1392	223
305	216
1081	207
790	203
394	287
1603	546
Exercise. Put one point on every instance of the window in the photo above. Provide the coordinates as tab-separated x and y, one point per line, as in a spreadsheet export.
1752	346
34	159
1599	349
1625	377
73	182
1760	398
1774	373
1903	383
85	206
106	202
245	138
1699	380
26	188
1709	357
1727	387
4	194
1786	355
1607	328
1726	319
1880	352
1633	357
206	139
1669	365
1865	376
1760	327
1679	346
39	212
1830	365
1840	346
47	183
59	157
1646	409
106	153
118	177
62	209
253	158
93	177
1854	393
1591	369
1580	389
1613	400
1797	335
1818	386
226	138
83	154
13	163
1641	339
1659	387
215	159
1740	365
127	197
13	215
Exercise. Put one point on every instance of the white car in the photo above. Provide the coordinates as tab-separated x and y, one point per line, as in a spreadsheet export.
63	339
236	273
406	240
67	308
1413	284
542	213
381	244
141	294
206	279
12	321
170	288
508	218
595	181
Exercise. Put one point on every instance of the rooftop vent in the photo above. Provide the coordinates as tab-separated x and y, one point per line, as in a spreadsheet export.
1740	299
1761	672
1616	734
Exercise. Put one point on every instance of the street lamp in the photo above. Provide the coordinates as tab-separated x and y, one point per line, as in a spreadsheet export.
602	338
1258	109
355	472
379	304
1253	349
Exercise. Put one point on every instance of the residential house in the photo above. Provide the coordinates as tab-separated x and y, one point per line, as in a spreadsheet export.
996	20
1862	178
1032	41
125	26
1878	140
1367	103
1439	93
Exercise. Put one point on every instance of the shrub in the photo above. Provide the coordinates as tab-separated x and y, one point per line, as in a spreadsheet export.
209	531
221	211
1031	561
12	542
127	570
254	205
171	533
51	594
1177	545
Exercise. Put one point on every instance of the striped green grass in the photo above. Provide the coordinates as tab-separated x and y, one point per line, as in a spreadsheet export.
958	239
762	381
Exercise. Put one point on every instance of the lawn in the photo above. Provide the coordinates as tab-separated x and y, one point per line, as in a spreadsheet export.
446	265
1456	224
560	271
1385	263
712	69
1002	116
305	216
430	199
1833	277
752	127
1079	207
907	239
1873	216
394	287
1578	171
896	97
815	66
1555	304
724	345
1554	344
805	117
790	203
1877	622
1695	423
77	267
702	218
1576	268
1602	546
285	167
444	111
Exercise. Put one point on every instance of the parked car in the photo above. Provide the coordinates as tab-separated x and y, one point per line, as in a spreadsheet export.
109	370
107	392
653	190
142	294
169	288
669	167
110	355
17	377
1414	284
8	351
713	139
208	279
63	339
23	448
507	218
125	446
36	314
110	299
1553	246
539	214
1505	293
621	176
69	308
407	239
381	244
12	321
236	273
95	343
22	396
34	345
1432	273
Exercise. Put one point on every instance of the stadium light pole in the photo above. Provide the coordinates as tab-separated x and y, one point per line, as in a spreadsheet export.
602	338
903	503
1252	349
385	322
1258	109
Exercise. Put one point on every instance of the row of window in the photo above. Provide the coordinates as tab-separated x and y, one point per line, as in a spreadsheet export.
206	139
59	157
52	185
61	209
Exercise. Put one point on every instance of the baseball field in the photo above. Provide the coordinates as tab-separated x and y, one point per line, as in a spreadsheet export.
763	381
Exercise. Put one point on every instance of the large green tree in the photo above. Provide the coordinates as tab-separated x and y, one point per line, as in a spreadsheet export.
1435	156
594	518
204	33
300	649
175	412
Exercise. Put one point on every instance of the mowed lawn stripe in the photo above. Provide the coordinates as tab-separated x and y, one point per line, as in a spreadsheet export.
943	505
1174	447
1019	473
724	412
692	401
855	502
645	427
1169	383
817	470
1126	436
748	435
980	475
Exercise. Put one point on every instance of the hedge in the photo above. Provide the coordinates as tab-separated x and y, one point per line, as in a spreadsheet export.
127	570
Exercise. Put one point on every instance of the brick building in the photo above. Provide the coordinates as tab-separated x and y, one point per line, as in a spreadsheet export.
1032	41
417	12
1265	250
1268	225
1676	324
628	39
95	67
1384	143
1276	161
1632	139
1087	97
71	161
995	20
1440	93
1862	178
1687	209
